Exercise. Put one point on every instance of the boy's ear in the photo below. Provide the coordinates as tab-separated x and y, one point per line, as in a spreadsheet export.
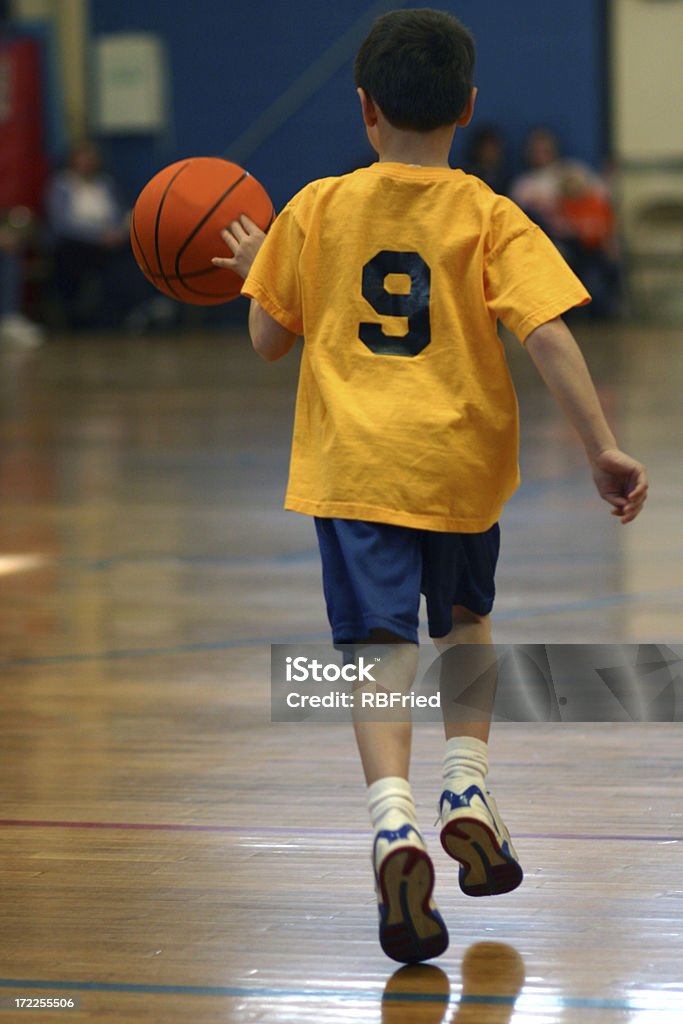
468	111
368	107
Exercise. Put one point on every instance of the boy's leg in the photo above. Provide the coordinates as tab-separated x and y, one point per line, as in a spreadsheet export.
474	718
473	832
384	736
410	926
371	579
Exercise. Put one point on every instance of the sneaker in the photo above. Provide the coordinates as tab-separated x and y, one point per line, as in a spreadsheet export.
474	834
411	929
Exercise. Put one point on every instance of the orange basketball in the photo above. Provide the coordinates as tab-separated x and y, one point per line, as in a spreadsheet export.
176	225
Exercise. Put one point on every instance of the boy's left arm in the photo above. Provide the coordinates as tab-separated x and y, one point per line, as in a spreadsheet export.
244	238
620	479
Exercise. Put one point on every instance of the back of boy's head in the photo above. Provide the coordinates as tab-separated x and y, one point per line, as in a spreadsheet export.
417	66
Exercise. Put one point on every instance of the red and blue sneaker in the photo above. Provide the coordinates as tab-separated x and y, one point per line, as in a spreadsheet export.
474	834
411	928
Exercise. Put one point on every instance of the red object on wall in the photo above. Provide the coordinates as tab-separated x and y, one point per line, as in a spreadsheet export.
23	162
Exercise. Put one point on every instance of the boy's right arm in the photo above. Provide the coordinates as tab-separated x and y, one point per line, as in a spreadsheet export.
620	479
270	339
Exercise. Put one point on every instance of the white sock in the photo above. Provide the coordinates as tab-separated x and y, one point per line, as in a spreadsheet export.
465	761
390	803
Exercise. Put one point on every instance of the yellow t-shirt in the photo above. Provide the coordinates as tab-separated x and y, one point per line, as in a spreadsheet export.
396	275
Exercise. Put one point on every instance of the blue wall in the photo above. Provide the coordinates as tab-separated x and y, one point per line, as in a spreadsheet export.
538	62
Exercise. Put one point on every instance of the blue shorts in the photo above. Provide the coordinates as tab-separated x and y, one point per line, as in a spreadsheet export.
373	575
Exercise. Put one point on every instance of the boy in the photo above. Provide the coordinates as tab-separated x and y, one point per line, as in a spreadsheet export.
405	434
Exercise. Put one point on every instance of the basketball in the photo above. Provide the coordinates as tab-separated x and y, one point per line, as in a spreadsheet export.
176	224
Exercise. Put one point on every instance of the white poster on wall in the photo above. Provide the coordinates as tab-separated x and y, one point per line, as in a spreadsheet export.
130	83
647	79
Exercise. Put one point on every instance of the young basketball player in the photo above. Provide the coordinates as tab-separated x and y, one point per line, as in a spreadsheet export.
406	435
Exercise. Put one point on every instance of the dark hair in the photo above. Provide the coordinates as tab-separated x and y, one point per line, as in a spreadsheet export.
417	66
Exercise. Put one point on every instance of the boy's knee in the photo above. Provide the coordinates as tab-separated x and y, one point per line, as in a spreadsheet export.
467	627
464	616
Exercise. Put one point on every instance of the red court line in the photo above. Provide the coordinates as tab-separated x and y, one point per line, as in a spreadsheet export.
285	830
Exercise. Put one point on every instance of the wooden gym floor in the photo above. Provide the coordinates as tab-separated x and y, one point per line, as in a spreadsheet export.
167	853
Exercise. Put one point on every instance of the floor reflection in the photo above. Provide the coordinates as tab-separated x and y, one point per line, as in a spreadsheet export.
493	977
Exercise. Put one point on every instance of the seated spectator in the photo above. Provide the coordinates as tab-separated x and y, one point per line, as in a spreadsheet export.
538	189
585	213
485	158
15	328
572	205
96	278
588	233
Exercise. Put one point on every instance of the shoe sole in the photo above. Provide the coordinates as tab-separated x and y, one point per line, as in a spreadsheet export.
486	870
411	931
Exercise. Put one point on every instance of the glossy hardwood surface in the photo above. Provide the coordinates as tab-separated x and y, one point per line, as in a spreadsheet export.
166	852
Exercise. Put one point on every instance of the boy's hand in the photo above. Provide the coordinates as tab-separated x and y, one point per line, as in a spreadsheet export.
244	239
621	481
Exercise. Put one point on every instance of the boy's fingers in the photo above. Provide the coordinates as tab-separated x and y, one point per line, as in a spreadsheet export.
229	239
629	512
239	231
639	491
248	223
222	261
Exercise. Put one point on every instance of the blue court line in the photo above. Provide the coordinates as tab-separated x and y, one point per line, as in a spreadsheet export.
210	561
585	604
109	562
156	652
530	1000
512	614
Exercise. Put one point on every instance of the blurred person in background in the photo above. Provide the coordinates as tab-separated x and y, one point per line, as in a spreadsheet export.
538	189
486	159
87	223
572	204
589	240
15	328
97	281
